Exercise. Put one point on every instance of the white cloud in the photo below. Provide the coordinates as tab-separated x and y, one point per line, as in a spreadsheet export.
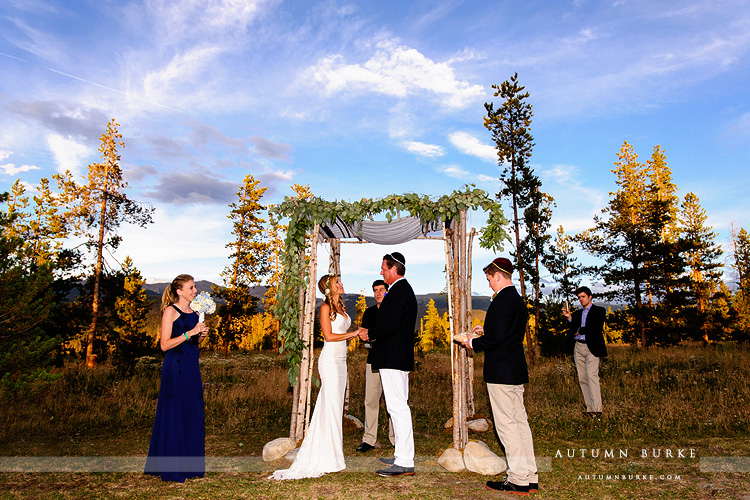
455	171
422	149
11	169
396	71
5	154
180	77
470	145
68	154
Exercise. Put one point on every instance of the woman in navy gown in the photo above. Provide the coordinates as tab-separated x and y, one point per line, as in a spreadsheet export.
177	449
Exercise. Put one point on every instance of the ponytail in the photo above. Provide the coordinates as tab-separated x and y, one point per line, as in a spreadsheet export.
169	296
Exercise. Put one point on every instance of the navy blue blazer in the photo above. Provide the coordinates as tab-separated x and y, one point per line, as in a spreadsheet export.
594	330
393	335
502	342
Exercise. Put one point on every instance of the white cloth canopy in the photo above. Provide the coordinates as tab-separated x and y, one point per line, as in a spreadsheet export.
381	232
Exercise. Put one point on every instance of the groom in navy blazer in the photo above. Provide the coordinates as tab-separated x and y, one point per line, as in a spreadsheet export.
392	339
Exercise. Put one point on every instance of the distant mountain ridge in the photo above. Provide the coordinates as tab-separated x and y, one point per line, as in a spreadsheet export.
479	302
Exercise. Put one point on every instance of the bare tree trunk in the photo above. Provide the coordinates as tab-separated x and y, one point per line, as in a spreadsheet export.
304	381
470	309
447	242
90	356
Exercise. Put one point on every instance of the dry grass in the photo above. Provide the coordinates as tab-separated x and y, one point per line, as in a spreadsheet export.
682	397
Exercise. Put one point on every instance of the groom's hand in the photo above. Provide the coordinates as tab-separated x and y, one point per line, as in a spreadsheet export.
362	332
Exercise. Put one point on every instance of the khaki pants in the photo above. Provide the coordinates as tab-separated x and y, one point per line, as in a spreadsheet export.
512	427
588	377
373	392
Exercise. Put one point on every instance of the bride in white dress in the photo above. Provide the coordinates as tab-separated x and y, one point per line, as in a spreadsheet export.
322	450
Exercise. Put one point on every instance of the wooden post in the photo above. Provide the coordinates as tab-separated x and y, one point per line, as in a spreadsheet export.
302	414
460	263
447	241
470	309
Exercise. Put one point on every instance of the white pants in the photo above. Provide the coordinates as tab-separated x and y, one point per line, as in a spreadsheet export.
373	391
396	390
588	377
513	430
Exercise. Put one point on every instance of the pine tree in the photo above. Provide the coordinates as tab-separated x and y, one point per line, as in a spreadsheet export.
628	236
702	258
250	252
96	209
131	308
563	265
741	257
537	217
360	308
509	126
433	332
26	349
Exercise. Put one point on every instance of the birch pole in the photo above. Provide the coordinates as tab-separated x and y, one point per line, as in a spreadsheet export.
304	381
470	309
459	239
447	237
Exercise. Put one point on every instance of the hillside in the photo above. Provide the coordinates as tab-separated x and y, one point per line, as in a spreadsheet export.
479	302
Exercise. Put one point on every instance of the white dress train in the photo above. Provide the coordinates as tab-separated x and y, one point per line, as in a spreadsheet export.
322	450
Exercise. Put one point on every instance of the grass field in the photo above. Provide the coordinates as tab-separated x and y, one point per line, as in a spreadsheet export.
686	406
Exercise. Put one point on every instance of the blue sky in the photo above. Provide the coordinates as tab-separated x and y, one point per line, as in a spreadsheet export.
364	99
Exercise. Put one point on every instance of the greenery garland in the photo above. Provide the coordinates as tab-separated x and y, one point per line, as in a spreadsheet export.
303	214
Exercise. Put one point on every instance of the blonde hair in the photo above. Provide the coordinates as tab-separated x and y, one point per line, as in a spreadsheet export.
325	285
169	296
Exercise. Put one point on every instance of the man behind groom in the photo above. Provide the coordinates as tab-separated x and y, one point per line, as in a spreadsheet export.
392	340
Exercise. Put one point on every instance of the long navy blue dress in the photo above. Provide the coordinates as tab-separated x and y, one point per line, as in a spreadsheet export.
177	449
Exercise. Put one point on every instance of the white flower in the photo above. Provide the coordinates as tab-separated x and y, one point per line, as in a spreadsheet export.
203	303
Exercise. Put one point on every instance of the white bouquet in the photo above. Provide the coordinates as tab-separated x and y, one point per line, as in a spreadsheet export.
202	304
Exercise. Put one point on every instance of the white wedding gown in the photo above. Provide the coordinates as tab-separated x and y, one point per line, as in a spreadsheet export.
322	450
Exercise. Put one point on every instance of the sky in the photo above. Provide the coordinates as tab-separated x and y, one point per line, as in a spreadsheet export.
365	99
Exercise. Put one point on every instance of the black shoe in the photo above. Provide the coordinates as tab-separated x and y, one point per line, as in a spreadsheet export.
508	487
533	487
387	461
365	447
395	470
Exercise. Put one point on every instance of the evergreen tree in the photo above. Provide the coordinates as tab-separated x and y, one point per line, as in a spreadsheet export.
96	209
360	308
629	237
702	258
741	258
131	308
509	126
537	217
433	332
250	252
26	350
741	266
563	265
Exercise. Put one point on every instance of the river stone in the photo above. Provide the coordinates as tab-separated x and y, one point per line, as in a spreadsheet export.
292	455
479	458
274	450
452	460
479	425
